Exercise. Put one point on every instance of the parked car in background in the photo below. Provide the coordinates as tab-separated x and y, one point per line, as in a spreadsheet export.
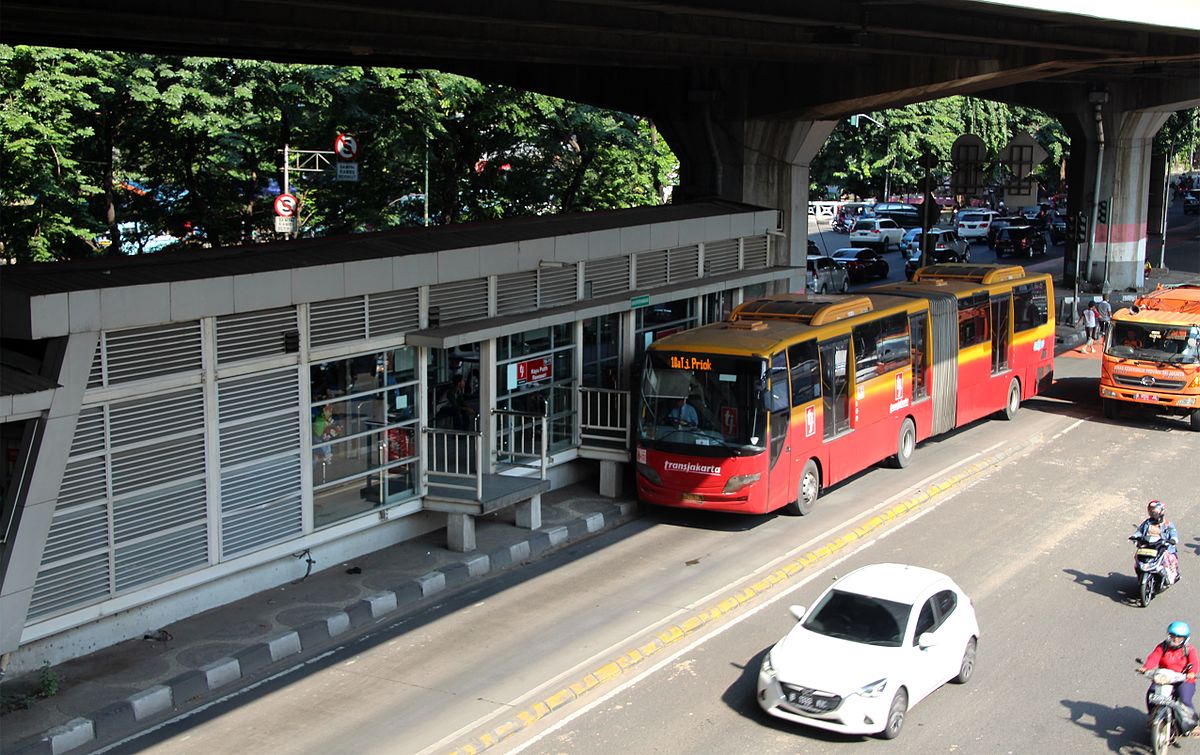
936	257
1000	223
876	233
973	224
1020	241
861	264
905	215
825	275
1191	202
943	239
876	642
1058	228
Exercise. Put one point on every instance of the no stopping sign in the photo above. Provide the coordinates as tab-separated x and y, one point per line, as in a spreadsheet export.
285	205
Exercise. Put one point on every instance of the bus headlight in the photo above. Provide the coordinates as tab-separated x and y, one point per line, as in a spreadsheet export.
1107	392
1187	402
649	474
739	481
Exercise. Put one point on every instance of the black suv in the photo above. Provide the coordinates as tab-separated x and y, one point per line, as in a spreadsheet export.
1020	241
906	215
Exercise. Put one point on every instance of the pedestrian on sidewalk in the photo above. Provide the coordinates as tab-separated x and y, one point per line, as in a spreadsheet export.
1089	319
1104	312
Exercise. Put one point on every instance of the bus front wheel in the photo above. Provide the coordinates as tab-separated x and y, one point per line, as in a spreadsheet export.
1195	420
906	443
807	491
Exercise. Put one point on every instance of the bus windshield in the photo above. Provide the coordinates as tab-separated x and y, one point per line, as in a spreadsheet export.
708	400
1171	344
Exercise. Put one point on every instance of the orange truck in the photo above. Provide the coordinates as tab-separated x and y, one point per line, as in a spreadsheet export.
1152	354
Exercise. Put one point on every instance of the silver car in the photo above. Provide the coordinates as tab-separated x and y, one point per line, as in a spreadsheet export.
825	276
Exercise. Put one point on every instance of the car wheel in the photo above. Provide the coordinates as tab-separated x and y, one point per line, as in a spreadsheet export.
906	443
886	269
895	716
966	669
807	491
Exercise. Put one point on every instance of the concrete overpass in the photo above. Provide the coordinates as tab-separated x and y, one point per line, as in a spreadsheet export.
746	92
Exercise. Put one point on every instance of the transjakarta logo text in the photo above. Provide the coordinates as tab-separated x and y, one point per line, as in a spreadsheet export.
680	466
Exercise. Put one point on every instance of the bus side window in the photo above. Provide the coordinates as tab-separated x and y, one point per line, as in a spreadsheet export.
806	372
1030	306
973	320
866	351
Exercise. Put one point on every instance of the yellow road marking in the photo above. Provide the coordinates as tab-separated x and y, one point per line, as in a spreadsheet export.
535	713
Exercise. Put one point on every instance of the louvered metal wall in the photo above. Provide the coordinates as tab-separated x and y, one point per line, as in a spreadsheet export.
721	257
517	292
259	434
254	334
651	270
337	321
755	253
132	505
458	301
557	286
143	353
393	312
607	276
683	263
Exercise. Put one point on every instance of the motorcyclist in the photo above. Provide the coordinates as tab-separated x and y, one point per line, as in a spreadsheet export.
1156	524
1177	654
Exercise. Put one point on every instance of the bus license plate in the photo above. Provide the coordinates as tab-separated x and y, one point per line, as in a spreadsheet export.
1144	397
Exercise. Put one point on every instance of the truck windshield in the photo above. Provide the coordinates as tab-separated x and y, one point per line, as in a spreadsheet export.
709	401
1171	344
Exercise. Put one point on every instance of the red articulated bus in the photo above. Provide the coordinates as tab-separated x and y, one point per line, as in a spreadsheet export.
794	393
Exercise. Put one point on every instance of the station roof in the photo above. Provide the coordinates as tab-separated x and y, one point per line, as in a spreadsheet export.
40	279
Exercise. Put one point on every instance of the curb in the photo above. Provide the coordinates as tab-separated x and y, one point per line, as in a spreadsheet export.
124	717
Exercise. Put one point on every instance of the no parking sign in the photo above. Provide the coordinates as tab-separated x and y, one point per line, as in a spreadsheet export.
286	205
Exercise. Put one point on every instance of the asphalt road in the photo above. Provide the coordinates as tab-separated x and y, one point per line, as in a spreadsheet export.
1037	539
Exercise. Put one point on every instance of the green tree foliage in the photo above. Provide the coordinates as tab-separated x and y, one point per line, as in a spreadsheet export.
859	158
112	152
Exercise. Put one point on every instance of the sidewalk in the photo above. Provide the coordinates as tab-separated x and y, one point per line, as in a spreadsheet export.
126	688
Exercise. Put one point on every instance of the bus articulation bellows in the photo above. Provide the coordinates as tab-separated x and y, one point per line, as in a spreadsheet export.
794	393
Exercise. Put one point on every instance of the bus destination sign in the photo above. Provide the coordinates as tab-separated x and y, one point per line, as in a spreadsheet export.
691	363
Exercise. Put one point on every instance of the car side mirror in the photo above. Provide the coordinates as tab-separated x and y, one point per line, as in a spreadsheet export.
798	612
927	640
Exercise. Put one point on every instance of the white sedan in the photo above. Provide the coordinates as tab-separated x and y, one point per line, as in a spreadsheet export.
875	643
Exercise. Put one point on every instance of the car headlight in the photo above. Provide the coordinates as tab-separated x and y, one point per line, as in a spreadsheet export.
739	481
874	689
768	667
649	474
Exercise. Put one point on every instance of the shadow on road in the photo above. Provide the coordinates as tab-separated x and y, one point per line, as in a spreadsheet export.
1108	586
702	520
1194	545
1123	728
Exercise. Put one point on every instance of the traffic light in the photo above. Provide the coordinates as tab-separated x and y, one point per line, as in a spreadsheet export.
1072	228
1102	212
1081	229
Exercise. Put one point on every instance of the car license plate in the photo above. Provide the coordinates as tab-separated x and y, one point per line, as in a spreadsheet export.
804	701
1144	397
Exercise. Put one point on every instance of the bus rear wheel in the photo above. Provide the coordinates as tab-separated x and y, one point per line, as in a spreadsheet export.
1014	400
807	491
906	443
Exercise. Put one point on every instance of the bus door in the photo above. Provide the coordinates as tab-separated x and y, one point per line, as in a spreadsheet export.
917	326
974	358
1001	338
779	405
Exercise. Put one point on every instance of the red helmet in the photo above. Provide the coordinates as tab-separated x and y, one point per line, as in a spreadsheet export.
1156	510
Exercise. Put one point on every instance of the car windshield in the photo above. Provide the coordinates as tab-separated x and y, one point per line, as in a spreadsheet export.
1172	344
703	400
847	254
860	618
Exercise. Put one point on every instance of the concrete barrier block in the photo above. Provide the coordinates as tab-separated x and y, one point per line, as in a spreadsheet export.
221	672
595	521
558	535
478	565
151	702
338	623
188	686
431	583
381	603
72	734
283	645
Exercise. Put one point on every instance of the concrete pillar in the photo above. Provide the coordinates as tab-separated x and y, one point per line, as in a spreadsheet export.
775	173
1119	263
529	513
460	533
611	475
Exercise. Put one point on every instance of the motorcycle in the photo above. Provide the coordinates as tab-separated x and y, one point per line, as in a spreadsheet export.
1169	718
1152	567
842	224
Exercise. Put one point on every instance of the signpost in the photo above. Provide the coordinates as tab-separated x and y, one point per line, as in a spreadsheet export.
286	206
346	148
